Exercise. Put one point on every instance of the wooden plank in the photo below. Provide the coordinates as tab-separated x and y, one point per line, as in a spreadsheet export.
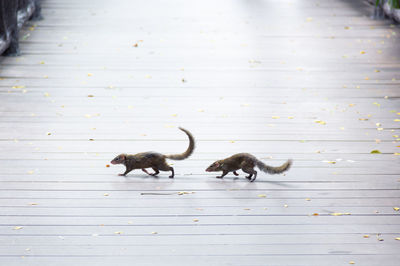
251	76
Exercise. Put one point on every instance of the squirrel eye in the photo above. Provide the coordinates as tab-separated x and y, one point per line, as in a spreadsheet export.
117	158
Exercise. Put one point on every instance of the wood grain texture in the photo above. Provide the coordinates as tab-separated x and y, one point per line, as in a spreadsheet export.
315	81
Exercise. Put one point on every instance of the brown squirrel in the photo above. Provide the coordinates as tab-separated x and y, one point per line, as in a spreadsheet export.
246	162
153	159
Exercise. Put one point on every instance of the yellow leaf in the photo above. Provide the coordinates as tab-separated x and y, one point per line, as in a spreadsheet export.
377	104
362	52
46	94
375	152
275	117
154	233
397	238
195	220
89	74
339	213
320	122
118	232
309	19
262	196
396	208
366	236
106	194
17	228
352	262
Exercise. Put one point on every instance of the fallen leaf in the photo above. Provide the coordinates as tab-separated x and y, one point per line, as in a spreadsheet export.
339	214
320	122
396	208
107	165
262	196
195	220
106	194
118	232
366	236
375	152
17	228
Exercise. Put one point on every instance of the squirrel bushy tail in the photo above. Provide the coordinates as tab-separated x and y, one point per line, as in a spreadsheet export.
274	170
189	150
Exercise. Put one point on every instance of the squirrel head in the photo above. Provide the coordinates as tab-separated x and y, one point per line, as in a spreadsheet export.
120	159
214	167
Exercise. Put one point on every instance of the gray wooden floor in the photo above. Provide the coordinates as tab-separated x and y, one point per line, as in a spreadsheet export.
315	81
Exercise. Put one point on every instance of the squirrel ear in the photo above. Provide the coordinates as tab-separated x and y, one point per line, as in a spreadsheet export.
217	164
123	157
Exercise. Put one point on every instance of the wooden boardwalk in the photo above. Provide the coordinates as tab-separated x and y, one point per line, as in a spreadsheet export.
315	81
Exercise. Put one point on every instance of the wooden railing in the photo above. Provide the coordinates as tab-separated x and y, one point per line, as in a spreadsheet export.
13	14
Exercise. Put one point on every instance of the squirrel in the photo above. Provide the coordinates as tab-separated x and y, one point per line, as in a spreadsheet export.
153	159
246	162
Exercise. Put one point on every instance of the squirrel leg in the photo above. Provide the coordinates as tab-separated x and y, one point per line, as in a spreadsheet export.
251	172
224	173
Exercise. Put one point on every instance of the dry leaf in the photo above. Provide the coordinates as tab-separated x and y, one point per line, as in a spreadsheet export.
339	214
375	152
